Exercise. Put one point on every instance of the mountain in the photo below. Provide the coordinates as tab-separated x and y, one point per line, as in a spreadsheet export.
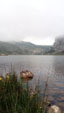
59	45
23	48
8	48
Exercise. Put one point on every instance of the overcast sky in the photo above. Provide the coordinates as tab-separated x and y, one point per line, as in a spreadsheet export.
37	21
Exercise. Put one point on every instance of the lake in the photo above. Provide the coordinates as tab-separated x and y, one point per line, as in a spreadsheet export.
43	68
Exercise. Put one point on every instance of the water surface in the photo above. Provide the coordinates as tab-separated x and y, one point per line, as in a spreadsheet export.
43	67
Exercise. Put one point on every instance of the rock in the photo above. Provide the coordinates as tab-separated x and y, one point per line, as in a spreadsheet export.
54	109
26	74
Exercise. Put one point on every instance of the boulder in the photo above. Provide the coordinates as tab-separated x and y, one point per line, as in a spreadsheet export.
26	74
54	109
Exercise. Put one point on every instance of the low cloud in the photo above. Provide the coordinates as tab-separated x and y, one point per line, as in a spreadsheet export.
37	21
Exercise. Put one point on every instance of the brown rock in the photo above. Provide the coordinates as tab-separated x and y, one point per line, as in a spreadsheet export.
26	74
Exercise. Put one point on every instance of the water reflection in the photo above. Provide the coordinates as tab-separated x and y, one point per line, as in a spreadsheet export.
56	89
43	67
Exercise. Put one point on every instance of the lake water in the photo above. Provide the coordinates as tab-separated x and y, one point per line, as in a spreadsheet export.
43	67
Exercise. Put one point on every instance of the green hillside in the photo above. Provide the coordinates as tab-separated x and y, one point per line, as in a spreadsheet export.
23	48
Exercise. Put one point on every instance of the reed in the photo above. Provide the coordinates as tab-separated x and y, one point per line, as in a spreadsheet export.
15	98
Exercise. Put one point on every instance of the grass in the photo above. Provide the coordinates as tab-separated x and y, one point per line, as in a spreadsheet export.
15	98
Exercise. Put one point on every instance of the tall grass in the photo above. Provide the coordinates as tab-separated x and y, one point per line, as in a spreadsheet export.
15	98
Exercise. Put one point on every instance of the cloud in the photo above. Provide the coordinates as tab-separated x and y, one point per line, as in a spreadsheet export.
40	41
38	21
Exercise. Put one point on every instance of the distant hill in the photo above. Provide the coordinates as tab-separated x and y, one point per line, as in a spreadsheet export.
22	48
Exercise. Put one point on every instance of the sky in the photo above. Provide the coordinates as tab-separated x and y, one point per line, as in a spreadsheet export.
36	21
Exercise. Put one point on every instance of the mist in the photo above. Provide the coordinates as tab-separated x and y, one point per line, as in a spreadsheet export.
36	21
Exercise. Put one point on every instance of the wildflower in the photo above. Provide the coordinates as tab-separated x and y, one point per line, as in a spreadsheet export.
7	77
40	107
1	78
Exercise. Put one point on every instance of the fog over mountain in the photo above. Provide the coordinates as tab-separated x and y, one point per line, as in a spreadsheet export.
59	44
28	48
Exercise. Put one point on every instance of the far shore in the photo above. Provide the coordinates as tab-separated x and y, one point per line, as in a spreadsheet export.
33	54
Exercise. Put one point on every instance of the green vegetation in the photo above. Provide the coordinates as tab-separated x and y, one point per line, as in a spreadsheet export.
22	48
15	97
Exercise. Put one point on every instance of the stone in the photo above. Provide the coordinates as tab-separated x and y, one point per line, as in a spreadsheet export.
54	109
26	74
